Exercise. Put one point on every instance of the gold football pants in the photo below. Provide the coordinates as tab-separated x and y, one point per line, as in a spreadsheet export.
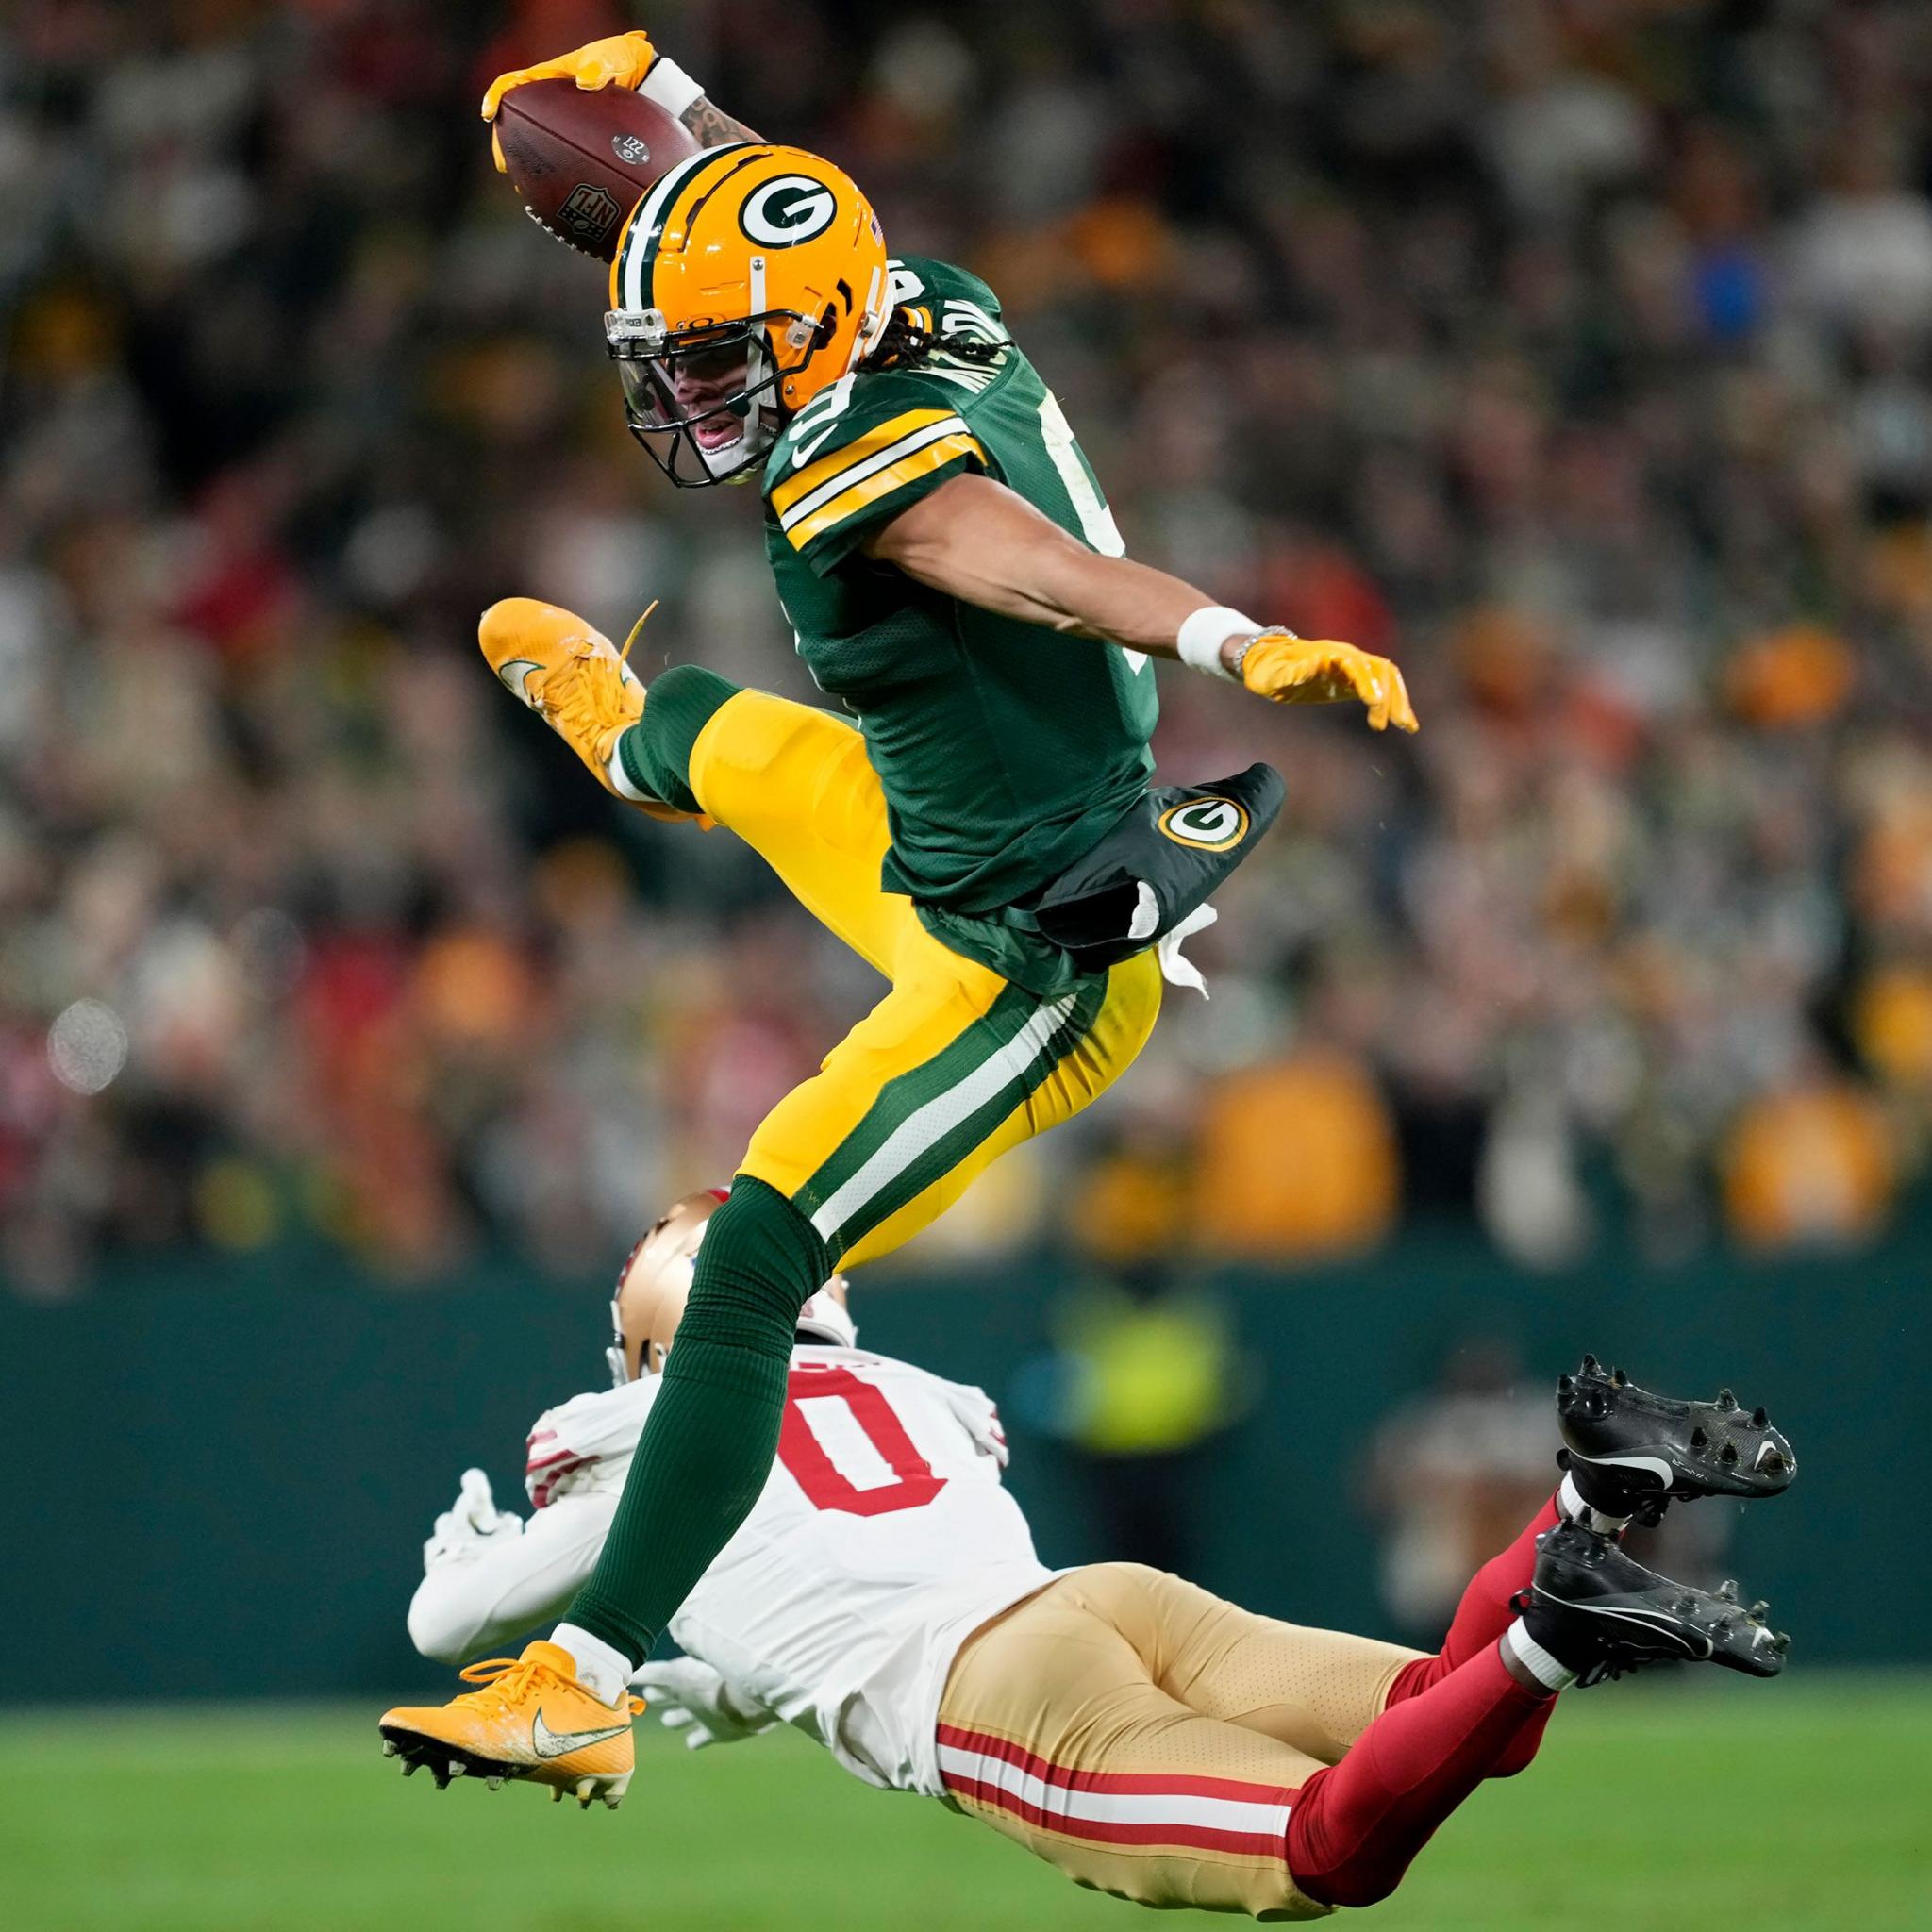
956	1065
1149	1740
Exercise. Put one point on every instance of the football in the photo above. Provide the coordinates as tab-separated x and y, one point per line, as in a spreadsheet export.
582	159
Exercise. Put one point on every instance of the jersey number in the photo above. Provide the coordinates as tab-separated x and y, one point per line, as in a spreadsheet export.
1096	521
810	1464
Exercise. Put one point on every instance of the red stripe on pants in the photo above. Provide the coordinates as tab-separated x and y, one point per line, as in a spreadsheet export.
1100	1831
1177	1784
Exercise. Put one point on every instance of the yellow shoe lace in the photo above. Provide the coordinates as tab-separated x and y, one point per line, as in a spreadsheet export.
581	694
503	1681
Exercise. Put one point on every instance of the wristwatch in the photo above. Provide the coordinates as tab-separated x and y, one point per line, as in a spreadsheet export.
1247	644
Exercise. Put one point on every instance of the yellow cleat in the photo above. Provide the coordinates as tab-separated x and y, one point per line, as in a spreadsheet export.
528	1719
574	677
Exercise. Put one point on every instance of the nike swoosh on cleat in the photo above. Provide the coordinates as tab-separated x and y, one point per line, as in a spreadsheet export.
1656	1621
1652	1465
513	672
548	1744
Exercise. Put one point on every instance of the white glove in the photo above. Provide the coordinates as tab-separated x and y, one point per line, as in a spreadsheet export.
975	1410
461	1532
691	1698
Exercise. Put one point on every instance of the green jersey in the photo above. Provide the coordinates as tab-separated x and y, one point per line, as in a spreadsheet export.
1005	750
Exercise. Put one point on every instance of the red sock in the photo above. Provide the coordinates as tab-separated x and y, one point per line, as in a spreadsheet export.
1356	1825
1481	1618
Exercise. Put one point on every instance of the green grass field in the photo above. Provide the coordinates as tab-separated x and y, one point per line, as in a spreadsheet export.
1781	1807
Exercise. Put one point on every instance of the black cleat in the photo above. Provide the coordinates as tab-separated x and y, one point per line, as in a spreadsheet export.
1631	1452
1600	1613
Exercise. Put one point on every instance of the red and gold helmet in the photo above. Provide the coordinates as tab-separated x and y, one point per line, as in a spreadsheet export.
748	280
655	1284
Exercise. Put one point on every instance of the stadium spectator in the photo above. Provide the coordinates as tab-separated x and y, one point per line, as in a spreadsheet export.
1489	338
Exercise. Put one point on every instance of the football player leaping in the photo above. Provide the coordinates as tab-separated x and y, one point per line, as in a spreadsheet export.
985	837
884	1596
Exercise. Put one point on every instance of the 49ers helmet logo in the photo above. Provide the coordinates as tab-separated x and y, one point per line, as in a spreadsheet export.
1211	823
791	210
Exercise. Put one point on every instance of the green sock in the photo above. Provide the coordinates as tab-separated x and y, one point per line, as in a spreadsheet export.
713	1430
656	751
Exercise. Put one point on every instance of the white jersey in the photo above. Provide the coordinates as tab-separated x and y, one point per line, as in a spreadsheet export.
881	1541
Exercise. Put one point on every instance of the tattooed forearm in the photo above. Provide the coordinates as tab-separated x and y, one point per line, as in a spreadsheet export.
713	125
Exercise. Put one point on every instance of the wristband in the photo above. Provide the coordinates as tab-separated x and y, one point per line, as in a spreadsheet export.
1200	638
671	87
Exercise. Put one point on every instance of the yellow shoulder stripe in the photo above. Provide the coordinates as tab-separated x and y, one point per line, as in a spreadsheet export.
920	462
873	443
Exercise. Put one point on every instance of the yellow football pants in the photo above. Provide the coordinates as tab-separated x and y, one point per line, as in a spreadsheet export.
956	1065
1148	1738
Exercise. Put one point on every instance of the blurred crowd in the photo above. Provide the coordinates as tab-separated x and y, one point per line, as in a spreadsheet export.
1572	351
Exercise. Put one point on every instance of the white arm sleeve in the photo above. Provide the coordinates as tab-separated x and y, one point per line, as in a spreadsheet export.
465	1606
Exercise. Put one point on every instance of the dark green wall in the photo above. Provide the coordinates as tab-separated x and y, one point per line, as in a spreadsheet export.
222	1471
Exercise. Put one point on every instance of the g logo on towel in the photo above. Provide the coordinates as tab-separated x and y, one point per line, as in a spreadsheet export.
1211	823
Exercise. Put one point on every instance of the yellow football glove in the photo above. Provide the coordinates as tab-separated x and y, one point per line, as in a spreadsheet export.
621	60
1288	669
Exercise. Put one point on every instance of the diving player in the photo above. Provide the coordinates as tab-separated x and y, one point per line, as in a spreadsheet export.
980	826
1144	1737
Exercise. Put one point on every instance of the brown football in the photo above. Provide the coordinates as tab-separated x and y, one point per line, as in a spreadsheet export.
583	159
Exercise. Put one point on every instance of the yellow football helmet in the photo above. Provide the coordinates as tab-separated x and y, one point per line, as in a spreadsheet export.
655	1284
748	280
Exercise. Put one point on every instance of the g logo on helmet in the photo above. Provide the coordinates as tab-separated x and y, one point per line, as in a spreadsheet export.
1211	823
787	212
